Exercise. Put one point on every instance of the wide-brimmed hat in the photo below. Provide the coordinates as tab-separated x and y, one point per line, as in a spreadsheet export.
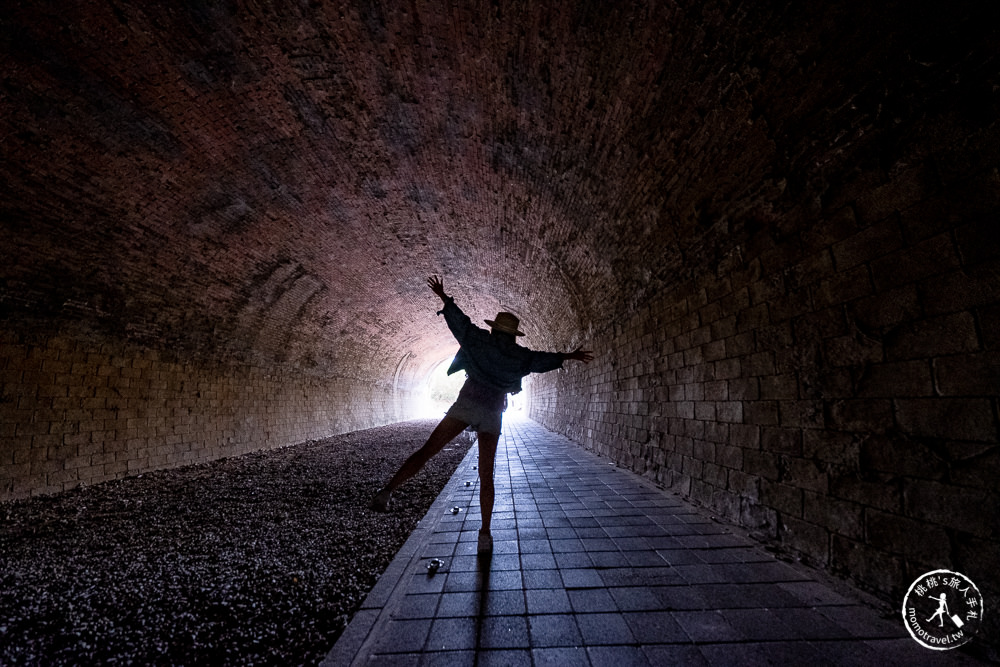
506	322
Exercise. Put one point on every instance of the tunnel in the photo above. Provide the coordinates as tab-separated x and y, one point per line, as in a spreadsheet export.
775	224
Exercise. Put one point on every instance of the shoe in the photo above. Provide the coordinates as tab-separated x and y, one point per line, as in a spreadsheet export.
485	544
380	503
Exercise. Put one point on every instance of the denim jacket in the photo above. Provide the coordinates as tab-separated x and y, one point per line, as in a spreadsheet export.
497	361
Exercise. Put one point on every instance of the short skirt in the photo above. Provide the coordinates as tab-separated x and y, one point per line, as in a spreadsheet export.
479	406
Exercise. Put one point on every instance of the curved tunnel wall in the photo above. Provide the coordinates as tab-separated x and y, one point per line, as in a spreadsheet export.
836	391
80	413
831	381
776	225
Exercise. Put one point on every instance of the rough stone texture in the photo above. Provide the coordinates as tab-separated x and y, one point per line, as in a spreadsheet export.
775	224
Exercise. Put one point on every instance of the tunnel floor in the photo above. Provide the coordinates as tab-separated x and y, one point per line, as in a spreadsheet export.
593	565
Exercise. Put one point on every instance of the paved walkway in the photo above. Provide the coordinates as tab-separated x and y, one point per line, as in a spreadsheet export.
592	565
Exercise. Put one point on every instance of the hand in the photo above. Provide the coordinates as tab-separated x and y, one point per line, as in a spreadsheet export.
579	354
437	287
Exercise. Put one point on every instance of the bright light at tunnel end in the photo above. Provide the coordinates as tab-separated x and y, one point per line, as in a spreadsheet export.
439	390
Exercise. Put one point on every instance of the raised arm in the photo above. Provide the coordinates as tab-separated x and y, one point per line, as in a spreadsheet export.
437	287
459	323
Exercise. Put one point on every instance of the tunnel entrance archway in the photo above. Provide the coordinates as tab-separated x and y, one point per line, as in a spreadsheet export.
439	390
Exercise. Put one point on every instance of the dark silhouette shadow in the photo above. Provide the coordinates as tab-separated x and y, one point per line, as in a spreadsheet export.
483	572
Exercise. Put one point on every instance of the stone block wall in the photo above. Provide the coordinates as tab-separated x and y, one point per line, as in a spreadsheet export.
834	389
74	413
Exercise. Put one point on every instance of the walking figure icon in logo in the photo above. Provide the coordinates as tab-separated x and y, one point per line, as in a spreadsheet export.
941	611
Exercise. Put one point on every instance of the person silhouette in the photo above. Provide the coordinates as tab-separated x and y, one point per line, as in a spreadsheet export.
941	611
494	365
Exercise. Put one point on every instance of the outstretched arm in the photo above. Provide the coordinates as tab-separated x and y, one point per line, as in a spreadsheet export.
579	354
543	362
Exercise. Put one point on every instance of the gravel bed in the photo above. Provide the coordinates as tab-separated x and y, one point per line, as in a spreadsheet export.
258	559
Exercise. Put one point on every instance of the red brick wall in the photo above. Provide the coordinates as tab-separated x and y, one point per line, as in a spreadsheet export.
835	391
74	413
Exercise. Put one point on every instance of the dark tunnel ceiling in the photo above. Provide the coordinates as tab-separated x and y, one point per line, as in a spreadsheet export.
274	181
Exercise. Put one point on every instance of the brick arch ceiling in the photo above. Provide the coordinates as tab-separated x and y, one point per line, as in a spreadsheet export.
273	181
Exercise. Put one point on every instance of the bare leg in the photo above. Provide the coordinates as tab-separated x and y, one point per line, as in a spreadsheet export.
442	434
487	454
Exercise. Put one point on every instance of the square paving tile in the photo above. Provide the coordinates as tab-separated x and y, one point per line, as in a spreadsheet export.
530	533
503	658
452	634
727	595
680	556
558	657
505	603
737	655
618	656
505	546
418	606
609	559
631	543
581	578
644	559
772	571
448	659
504	580
539	546
655	627
547	601
813	593
573	560
403	636
458	604
811	623
538	561
422	582
555	520
706	626
439	550
595	531
553	630
677	654
856	620
561	533
461	564
636	598
505	562
760	625
589	600
463	581
394	660
542	579
465	549
733	555
604	629
591	544
567	545
504	632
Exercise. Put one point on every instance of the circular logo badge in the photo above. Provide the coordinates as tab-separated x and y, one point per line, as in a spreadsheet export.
942	610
